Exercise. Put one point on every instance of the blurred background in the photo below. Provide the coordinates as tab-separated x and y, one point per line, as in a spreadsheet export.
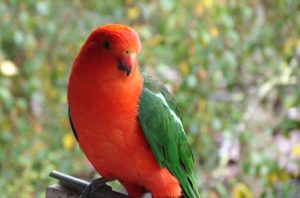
232	65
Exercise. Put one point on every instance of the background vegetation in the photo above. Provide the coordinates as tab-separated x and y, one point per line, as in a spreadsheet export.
233	66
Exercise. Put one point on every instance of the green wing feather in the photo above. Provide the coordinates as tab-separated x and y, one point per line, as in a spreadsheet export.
160	121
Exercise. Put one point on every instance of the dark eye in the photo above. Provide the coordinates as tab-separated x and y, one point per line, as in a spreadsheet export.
106	44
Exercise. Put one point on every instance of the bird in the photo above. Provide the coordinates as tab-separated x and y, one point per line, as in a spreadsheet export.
127	124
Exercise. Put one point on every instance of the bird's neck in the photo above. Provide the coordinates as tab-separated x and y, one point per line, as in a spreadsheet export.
116	97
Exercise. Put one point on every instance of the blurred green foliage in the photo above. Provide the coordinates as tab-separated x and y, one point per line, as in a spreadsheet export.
233	66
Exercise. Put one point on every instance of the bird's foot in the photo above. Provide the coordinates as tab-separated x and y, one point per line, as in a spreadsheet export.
95	187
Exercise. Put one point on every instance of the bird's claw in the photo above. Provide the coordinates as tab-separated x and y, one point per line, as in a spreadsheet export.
94	187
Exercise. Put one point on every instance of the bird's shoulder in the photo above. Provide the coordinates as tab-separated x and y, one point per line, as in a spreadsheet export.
156	87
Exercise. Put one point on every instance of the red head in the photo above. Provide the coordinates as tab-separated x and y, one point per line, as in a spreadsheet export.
111	50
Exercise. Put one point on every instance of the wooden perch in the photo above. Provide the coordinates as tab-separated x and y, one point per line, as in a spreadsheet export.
72	187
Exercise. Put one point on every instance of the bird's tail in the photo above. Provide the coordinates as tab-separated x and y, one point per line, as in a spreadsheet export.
191	190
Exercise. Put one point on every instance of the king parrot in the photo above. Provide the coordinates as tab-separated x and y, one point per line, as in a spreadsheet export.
127	124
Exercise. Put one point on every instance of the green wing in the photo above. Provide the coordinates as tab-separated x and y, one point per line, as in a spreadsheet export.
160	121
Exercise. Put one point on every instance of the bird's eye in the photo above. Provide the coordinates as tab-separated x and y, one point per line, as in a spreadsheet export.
106	44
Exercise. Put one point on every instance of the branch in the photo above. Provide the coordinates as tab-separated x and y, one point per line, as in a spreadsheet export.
69	186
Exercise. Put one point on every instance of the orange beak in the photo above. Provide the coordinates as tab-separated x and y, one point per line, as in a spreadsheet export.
127	62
